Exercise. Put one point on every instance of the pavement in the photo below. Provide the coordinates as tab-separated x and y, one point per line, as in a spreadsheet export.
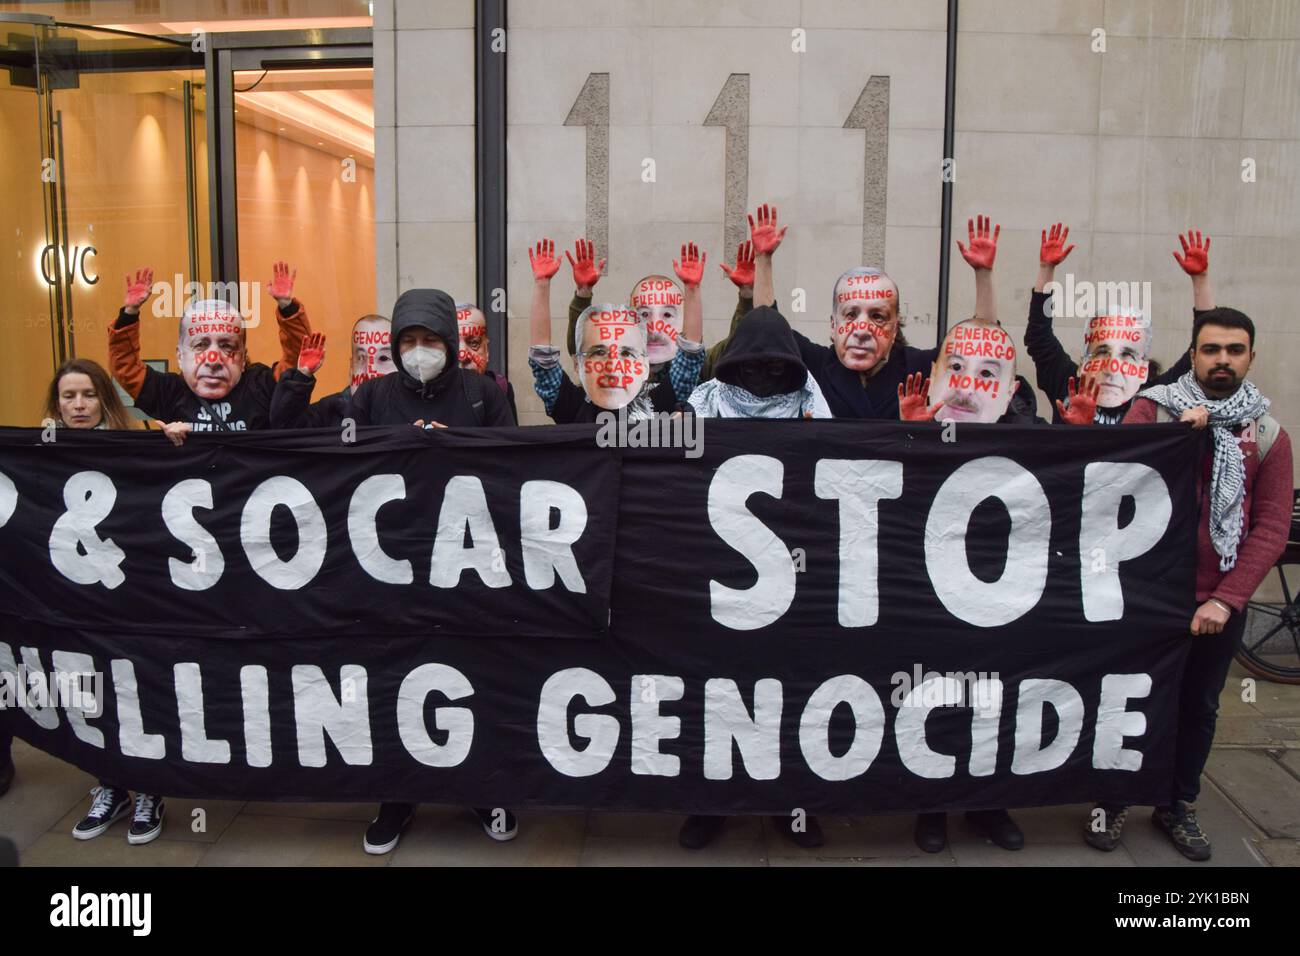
1249	806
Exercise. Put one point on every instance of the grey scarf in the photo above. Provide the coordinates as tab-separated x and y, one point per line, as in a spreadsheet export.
715	399
1228	475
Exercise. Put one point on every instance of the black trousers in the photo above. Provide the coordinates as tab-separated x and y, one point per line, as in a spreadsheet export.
1198	704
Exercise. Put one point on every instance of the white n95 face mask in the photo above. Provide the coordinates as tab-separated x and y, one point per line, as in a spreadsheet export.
424	363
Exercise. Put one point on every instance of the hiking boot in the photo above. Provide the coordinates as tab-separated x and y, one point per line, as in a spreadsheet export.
1179	824
1104	826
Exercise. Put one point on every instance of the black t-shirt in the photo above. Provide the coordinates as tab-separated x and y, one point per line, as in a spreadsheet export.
166	397
843	389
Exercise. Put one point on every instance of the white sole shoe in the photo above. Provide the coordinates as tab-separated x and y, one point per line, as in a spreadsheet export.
140	839
103	827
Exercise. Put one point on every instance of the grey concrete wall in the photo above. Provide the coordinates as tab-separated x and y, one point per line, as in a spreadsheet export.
1129	146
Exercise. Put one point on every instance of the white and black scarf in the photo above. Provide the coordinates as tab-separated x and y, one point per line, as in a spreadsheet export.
1228	475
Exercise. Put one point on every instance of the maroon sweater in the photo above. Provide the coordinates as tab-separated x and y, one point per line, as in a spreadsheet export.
1266	516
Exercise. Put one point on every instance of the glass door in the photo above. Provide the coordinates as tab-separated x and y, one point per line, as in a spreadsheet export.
105	155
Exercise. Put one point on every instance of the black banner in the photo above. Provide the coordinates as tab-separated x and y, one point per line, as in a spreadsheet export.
836	616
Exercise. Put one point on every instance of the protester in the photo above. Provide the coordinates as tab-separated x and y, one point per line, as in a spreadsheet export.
371	357
859	373
216	389
431	391
82	397
672	314
430	388
1244	486
760	376
742	276
475	349
1117	342
975	367
610	354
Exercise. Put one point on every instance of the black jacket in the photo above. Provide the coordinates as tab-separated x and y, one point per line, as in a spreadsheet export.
290	408
764	334
455	398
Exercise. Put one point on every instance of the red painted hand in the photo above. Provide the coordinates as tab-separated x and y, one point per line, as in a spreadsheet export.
586	272
312	354
911	400
281	285
691	267
765	235
1083	402
1054	250
1196	254
743	274
138	290
983	247
543	260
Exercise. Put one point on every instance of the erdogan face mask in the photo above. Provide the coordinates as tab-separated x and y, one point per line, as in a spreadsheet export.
424	363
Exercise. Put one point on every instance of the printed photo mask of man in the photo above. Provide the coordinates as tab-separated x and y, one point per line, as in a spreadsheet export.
974	374
611	359
658	302
1116	350
472	323
212	348
372	349
864	323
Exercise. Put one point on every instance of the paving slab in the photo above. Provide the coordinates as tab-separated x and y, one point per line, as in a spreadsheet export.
1260	787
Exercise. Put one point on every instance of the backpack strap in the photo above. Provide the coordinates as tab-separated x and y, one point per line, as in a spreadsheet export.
473	384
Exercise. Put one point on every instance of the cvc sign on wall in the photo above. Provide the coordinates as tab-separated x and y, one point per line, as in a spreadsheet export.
73	263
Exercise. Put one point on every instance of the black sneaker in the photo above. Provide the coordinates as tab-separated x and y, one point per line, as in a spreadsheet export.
499	824
107	806
6	776
809	836
931	833
1104	827
146	823
998	826
699	831
1179	824
387	828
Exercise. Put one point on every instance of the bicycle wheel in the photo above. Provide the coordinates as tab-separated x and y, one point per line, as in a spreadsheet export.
1270	644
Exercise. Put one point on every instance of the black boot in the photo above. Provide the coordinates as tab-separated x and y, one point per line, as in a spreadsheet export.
998	826
931	833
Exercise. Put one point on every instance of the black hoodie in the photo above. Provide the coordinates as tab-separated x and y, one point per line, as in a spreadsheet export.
763	335
450	399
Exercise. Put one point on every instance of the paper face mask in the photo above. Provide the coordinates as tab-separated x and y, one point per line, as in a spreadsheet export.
211	349
974	374
1115	349
473	337
372	349
611	355
864	322
657	302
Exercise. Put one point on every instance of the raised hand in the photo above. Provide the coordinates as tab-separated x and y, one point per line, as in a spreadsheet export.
1053	250
543	260
764	234
743	273
138	290
1196	254
911	400
1082	408
281	285
983	247
586	272
691	267
312	354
